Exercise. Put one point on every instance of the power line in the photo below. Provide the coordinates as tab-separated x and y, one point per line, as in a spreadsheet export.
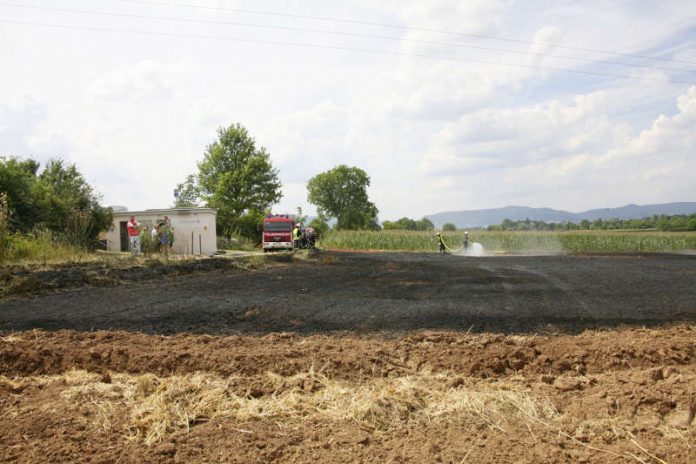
333	47
400	27
339	33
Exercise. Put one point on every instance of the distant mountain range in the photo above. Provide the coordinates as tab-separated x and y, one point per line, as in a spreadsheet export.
487	217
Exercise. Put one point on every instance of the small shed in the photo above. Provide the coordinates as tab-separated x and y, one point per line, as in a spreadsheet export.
194	229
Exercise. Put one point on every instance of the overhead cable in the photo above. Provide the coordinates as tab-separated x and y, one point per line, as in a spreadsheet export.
334	47
345	34
400	27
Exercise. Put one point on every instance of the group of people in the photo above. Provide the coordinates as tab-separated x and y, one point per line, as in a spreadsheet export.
303	237
159	234
443	247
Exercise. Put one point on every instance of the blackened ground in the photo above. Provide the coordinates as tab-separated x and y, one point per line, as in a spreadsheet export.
383	292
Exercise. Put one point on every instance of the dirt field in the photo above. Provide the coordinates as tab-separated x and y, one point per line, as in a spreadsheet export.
358	358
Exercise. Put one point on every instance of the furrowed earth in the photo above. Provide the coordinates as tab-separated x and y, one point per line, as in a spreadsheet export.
352	357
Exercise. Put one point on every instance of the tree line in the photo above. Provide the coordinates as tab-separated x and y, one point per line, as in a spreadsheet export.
409	224
237	178
675	223
56	198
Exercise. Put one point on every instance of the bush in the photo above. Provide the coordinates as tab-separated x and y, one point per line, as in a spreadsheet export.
320	226
4	227
148	243
41	245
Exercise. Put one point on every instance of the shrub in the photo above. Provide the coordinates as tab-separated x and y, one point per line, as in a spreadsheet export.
4	227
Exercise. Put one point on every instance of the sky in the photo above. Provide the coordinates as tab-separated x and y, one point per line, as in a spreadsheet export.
447	105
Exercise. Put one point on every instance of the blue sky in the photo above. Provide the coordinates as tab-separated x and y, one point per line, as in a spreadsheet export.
135	111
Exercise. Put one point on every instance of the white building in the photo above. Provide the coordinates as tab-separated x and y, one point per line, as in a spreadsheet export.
194	229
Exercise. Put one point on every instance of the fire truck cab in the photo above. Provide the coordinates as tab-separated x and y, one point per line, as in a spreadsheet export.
277	232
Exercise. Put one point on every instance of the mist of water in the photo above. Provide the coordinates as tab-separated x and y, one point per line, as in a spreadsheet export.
475	249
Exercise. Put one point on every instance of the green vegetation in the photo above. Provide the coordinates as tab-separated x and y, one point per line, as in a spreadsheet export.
341	193
449	227
237	178
4	228
57	198
515	242
320	225
408	224
43	246
47	214
679	223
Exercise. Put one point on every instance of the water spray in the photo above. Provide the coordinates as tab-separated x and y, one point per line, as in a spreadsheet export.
475	249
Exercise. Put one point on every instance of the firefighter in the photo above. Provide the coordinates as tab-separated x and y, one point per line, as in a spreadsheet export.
466	240
296	236
441	241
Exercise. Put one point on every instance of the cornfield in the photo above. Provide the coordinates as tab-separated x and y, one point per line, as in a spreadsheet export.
501	242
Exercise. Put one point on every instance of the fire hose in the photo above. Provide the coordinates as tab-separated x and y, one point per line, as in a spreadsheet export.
447	246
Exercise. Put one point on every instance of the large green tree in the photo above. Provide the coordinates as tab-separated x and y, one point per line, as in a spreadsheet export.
341	193
237	178
57	198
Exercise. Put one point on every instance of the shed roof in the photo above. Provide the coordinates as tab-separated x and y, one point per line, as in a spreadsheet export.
169	212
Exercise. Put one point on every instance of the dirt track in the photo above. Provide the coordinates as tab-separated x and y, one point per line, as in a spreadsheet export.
386	292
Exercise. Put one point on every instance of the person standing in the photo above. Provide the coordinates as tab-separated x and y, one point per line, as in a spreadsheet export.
163	230
134	236
296	236
466	240
441	241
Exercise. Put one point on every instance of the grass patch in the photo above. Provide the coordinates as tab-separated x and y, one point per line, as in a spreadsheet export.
42	246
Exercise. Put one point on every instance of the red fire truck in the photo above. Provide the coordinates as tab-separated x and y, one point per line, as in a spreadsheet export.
277	232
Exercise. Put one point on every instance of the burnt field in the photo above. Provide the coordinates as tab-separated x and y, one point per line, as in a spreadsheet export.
348	357
376	292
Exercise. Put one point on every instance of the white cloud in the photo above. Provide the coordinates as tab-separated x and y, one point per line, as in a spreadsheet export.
565	150
19	120
308	141
493	139
149	81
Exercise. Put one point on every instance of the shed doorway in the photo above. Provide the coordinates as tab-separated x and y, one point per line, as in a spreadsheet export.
123	233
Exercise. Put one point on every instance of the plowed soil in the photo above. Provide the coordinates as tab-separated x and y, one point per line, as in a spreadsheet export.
360	358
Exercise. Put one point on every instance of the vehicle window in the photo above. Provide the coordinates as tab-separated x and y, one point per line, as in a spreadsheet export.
277	226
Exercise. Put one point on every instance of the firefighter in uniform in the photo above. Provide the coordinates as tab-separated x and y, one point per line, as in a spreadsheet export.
441	242
296	236
466	240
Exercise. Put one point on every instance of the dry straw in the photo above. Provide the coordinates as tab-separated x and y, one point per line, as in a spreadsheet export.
157	406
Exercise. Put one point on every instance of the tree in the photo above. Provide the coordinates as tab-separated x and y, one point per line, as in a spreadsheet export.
425	224
449	227
57	198
409	224
189	194
299	216
401	224
320	225
341	193
18	182
237	178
